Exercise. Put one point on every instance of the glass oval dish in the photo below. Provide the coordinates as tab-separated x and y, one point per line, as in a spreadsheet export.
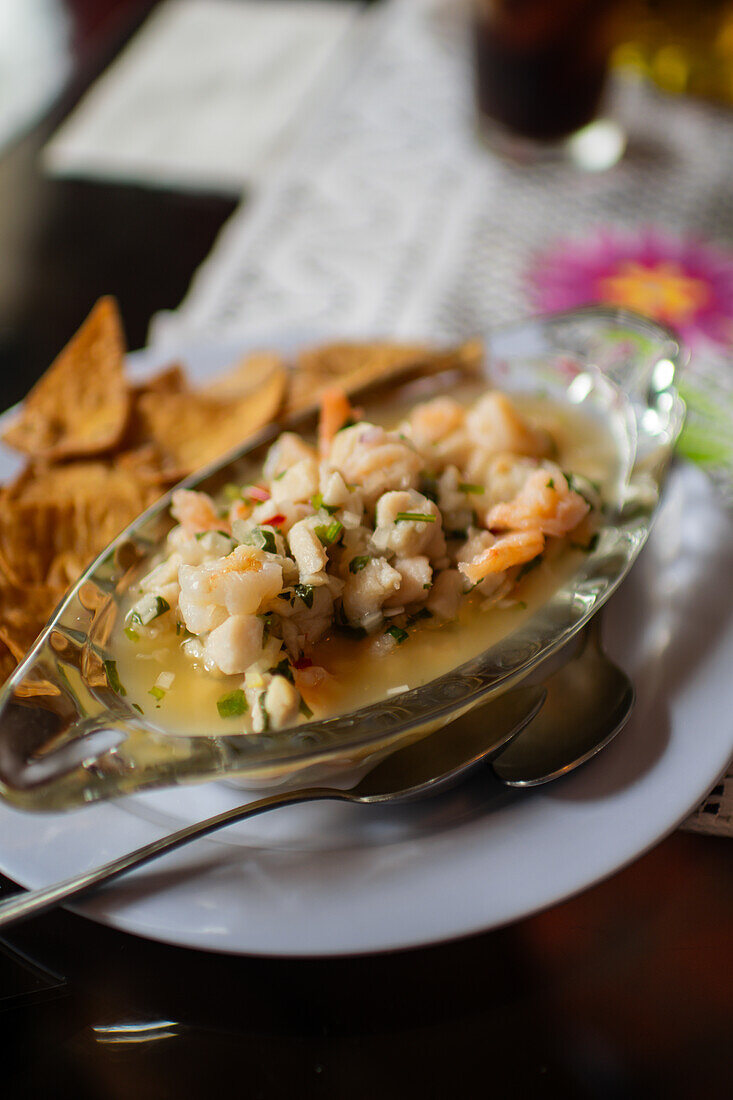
68	738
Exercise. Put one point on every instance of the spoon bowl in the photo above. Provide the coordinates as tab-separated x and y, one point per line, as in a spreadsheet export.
589	700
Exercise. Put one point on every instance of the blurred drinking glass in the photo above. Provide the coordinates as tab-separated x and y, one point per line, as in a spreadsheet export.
540	70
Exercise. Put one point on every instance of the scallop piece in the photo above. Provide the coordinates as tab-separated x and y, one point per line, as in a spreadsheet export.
235	645
416	581
406	537
366	591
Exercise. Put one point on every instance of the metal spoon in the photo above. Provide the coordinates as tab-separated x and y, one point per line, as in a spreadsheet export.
589	701
415	771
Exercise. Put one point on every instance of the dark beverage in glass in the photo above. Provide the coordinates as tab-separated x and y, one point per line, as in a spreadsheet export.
540	64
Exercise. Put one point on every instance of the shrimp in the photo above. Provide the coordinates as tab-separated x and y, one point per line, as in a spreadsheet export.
438	430
433	421
496	426
336	411
235	585
196	512
503	475
375	460
545	503
514	549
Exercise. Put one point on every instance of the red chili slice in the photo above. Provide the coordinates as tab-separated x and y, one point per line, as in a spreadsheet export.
274	521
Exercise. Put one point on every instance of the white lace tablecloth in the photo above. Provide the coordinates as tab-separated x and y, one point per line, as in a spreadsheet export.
388	217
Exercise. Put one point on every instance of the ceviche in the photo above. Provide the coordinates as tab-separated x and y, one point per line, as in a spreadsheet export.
345	550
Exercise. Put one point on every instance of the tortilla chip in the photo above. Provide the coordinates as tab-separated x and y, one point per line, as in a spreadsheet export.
142	456
82	403
65	569
53	512
245	376
356	366
8	663
148	465
30	537
23	614
193	429
171	379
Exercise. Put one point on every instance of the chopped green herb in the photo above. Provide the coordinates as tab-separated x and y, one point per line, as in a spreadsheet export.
422	613
148	608
428	585
132	634
347	424
469	487
263	712
202	534
232	492
589	546
282	474
522	605
283	669
305	710
358	563
575	486
266	627
262	539
528	567
318	505
551	483
329	533
157	693
113	679
138	708
231	704
305	592
415	517
397	633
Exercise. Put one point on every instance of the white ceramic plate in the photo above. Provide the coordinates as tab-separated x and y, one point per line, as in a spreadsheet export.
328	879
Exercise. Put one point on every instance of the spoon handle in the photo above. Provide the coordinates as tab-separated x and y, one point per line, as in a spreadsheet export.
31	902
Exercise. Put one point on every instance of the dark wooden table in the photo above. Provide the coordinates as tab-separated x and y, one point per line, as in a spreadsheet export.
625	991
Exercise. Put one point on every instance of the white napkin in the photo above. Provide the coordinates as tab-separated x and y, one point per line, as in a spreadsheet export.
205	95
